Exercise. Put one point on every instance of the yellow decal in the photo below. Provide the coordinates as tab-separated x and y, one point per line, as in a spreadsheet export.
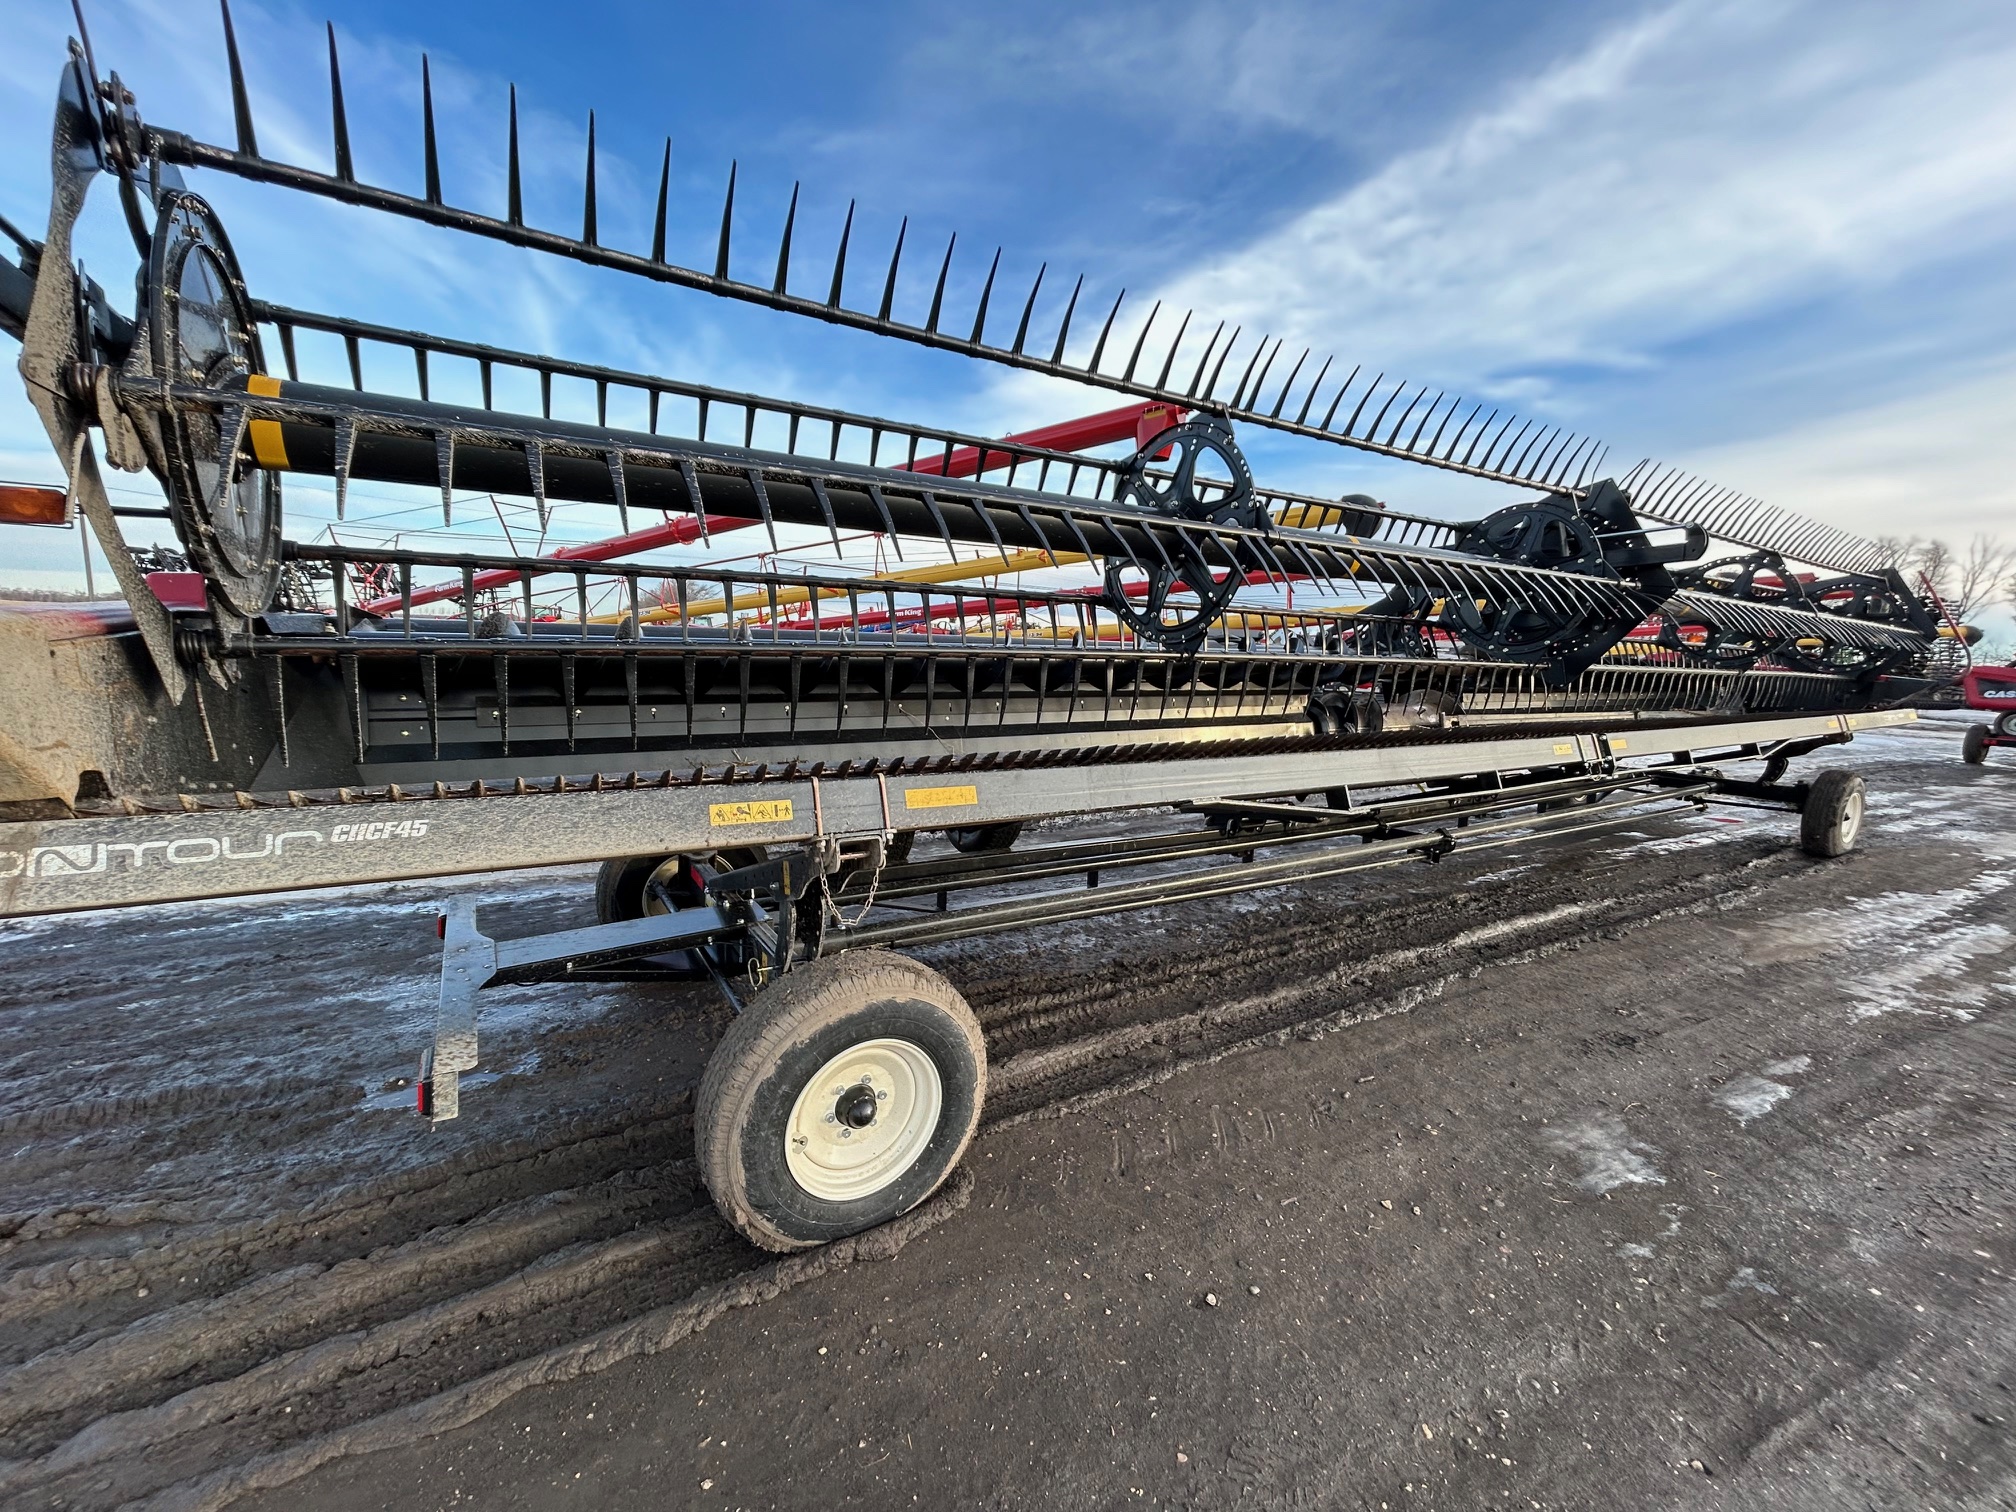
762	811
269	447
945	797
1563	748
1619	743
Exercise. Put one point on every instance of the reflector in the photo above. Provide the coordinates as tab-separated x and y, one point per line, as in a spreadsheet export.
33	504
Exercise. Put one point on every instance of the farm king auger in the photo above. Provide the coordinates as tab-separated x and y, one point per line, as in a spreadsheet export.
1313	686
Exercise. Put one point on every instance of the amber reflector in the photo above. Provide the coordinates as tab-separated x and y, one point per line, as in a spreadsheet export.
28	504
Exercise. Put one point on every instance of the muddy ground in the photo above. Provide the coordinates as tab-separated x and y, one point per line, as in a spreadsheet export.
1669	1168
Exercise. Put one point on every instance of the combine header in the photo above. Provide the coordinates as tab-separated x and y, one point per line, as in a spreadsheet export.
1009	630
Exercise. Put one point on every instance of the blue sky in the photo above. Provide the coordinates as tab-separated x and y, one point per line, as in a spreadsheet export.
1771	242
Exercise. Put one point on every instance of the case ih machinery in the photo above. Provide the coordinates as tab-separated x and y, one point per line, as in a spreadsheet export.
1992	690
1274	686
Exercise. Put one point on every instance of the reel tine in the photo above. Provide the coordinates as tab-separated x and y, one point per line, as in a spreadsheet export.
826	509
756	486
1209	347
1261	382
1170	361
888	523
1481	432
1394	434
620	485
784	246
535	470
1099	347
588	190
1293	373
339	122
346	448
241	101
658	221
1414	441
1351	425
1140	341
1435	441
1539	439
1218	372
444	461
840	260
986	293
938	293
428	147
727	221
889	283
1309	399
1487	463
692	480
1337	399
1240	393
1064	329
1028	309
514	189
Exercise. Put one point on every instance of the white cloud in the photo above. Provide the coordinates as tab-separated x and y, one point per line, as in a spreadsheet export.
1942	464
1685	169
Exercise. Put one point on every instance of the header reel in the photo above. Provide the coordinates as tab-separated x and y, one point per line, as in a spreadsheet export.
1535	595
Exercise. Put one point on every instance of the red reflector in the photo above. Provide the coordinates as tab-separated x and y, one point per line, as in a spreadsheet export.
179	590
30	504
440	926
423	1098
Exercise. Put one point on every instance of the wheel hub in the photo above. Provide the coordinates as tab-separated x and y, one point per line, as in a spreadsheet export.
856	1107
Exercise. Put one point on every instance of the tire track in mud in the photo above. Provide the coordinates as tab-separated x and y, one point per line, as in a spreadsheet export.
403	1303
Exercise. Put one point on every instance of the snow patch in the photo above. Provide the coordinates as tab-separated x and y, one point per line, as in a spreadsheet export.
1750	1097
1610	1157
1930	976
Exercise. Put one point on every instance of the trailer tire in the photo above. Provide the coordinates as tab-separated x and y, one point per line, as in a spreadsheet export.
982	838
620	884
768	1120
1831	821
1974	745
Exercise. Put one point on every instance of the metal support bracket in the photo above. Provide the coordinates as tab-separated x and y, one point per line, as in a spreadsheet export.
468	964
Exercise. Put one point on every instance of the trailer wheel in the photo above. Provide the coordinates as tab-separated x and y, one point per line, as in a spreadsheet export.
622	886
840	1098
1974	745
982	838
1831	822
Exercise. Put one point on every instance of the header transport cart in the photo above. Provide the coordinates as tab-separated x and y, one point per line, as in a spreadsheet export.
1310	686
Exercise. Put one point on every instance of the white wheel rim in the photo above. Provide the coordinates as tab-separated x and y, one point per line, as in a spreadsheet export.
665	872
1851	818
840	1161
